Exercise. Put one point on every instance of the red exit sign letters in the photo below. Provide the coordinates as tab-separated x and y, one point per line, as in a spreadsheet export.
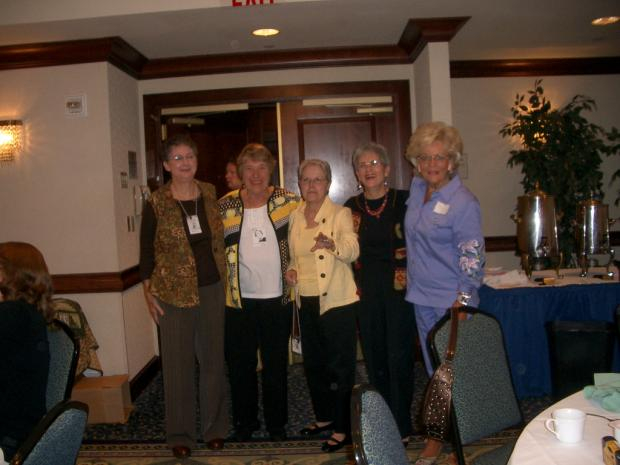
252	2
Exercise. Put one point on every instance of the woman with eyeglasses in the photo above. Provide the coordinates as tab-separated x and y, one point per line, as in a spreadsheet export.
445	246
183	272
323	245
386	320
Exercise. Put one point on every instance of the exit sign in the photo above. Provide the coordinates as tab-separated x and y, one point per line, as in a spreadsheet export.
252	2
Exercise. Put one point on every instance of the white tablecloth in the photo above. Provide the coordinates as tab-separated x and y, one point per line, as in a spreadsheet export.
537	446
500	279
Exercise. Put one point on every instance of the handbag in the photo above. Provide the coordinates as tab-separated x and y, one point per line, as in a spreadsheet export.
438	398
296	331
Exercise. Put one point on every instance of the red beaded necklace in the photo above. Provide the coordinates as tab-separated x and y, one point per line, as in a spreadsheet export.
376	213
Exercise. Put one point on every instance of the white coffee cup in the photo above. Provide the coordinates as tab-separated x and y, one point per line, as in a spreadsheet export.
567	424
615	425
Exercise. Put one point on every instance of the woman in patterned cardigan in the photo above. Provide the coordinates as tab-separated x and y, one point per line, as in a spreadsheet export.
182	270
258	310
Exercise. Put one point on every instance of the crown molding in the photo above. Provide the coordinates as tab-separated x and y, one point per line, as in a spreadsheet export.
534	67
272	60
416	35
419	32
111	49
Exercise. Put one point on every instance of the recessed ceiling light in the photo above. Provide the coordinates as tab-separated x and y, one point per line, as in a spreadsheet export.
605	20
265	32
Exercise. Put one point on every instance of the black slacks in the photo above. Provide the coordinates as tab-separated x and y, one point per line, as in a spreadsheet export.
263	324
328	342
387	332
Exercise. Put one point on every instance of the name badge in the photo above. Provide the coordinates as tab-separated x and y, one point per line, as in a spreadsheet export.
441	208
259	238
193	224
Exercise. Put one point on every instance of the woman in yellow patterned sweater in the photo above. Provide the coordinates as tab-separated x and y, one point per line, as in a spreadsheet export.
258	310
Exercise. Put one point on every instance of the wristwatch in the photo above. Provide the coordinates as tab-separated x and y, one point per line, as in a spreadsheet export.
463	298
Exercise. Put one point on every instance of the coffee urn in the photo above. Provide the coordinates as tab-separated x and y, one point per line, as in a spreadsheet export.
592	234
537	233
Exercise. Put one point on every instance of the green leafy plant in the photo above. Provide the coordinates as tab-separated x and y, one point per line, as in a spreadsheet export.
561	151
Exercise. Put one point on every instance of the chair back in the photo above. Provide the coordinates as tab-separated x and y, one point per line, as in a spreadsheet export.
64	352
483	397
376	438
57	437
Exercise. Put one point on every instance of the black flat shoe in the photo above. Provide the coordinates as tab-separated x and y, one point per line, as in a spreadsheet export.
315	429
329	448
215	444
181	452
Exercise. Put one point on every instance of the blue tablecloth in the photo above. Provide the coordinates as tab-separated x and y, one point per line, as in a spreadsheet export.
523	312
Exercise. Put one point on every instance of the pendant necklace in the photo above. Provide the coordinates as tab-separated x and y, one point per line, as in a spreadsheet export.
376	213
193	223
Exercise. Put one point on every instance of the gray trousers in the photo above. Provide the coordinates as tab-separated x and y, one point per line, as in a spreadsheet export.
187	335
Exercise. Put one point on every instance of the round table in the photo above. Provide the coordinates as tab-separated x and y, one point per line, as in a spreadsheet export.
537	446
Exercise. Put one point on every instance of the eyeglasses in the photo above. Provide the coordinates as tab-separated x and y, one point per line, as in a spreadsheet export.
308	181
188	157
428	158
368	164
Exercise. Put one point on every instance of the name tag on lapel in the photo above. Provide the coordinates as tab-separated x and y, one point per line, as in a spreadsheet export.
441	208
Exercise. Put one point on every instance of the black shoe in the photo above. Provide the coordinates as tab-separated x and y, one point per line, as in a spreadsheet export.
329	448
314	429
277	435
181	452
215	444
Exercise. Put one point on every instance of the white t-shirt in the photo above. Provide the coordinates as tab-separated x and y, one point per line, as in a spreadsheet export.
260	270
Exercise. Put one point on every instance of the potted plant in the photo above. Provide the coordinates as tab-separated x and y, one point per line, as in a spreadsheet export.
561	152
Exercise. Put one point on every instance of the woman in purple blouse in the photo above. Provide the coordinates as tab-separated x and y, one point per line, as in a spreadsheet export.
445	246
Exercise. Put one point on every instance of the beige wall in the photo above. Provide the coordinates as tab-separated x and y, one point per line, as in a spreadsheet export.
482	106
63	193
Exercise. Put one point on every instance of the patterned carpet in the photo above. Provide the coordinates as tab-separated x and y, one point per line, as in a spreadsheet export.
252	453
145	424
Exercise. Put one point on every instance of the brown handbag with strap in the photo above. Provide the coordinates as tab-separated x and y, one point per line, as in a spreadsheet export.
438	398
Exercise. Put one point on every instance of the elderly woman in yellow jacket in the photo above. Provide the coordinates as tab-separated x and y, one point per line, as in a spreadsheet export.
323	245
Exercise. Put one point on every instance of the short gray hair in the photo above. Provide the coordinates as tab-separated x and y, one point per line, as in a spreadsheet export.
327	171
371	147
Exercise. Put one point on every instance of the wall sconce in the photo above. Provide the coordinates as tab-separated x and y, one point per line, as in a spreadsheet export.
11	136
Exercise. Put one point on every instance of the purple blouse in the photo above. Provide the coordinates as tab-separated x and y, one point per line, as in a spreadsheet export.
445	246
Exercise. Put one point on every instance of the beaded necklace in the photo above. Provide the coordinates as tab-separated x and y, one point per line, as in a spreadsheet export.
376	213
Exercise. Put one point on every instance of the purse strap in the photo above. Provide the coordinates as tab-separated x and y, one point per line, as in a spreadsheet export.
454	326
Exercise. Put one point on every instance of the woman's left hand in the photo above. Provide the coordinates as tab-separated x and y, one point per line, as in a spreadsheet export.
323	242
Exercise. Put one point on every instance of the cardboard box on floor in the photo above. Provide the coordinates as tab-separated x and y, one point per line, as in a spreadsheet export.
107	397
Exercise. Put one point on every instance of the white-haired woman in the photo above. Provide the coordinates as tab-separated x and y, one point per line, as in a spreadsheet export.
323	245
445	246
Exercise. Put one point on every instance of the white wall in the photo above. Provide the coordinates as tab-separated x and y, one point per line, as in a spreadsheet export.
56	195
63	193
481	107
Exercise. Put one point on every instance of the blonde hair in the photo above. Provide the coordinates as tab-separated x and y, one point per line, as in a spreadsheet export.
24	276
255	152
428	133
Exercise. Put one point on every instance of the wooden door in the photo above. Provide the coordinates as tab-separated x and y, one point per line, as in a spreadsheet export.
332	134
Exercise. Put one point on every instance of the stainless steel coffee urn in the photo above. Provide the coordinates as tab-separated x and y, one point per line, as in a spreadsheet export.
537	233
592	234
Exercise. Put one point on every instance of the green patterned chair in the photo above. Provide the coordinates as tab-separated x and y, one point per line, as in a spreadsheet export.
376	439
483	398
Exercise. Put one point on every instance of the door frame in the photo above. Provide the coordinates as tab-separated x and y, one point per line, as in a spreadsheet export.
154	103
